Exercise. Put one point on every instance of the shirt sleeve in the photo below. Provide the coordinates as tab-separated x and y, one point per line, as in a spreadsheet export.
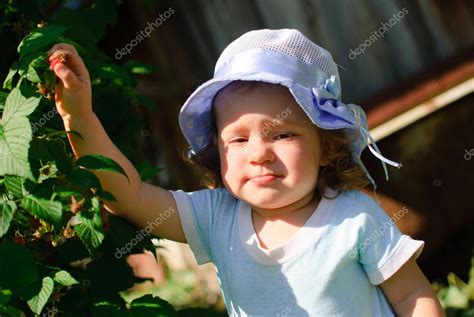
195	211
382	248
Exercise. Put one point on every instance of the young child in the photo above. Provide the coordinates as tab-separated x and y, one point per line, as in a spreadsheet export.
286	225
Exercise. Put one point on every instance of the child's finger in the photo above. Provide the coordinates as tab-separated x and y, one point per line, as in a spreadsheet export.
73	60
58	48
74	63
57	53
67	76
58	91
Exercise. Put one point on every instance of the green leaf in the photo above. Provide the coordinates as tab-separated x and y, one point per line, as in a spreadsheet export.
14	184
75	133
91	236
3	98
7	84
72	250
100	163
136	67
39	38
15	134
18	269
122	232
51	151
5	295
17	105
15	137
49	78
89	229
32	75
38	63
37	302
152	306
147	171
29	61
108	276
7	210
84	178
66	193
88	25
105	309
9	311
64	278
116	73
50	211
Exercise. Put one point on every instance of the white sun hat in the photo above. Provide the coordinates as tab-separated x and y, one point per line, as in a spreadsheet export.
288	58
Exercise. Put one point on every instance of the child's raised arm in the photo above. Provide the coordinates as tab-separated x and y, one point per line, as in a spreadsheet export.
137	201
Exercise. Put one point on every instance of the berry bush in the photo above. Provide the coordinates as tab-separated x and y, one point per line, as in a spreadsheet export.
57	241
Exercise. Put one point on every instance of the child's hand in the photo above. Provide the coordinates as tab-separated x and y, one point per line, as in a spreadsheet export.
73	91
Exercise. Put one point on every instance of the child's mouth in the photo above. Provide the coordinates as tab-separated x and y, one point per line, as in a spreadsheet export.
264	179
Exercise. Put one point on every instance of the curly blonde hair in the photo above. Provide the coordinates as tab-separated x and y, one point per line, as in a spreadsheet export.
341	173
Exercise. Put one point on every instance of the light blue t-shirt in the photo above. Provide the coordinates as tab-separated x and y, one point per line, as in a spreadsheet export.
331	267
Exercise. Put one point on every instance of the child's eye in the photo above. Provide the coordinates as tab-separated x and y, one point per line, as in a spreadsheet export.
285	135
238	140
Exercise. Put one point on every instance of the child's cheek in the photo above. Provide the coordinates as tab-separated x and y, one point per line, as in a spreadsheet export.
235	154
299	159
230	160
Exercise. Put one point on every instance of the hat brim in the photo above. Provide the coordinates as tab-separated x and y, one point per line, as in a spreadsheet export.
194	116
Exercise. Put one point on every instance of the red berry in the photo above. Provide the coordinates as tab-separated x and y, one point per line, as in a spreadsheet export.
60	59
54	62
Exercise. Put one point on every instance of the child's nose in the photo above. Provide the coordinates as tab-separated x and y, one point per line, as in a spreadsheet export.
260	150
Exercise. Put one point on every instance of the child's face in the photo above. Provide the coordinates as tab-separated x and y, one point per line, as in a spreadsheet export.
261	131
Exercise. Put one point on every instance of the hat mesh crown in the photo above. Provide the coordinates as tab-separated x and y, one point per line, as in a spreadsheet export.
285	41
